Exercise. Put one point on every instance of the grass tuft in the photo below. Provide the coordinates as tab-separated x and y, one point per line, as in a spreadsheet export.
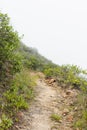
56	117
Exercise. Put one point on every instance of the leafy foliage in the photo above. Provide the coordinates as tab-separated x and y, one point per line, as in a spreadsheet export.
32	59
72	76
18	96
12	98
9	42
5	123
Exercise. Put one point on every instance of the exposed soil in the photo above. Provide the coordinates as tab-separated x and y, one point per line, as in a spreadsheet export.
49	100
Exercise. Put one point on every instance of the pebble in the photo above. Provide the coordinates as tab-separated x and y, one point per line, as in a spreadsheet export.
65	112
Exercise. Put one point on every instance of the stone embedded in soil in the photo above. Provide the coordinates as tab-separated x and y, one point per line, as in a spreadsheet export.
71	103
76	109
68	92
20	114
70	118
65	112
54	128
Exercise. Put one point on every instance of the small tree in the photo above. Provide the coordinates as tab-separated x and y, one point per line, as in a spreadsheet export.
9	42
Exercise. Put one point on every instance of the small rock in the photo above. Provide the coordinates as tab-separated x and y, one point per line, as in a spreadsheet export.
71	103
77	129
70	118
64	95
20	114
65	111
17	127
68	92
75	108
54	128
60	121
52	81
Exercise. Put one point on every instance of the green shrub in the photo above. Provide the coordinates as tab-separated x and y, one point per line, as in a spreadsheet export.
71	75
14	101
21	90
79	124
9	43
25	83
5	122
18	95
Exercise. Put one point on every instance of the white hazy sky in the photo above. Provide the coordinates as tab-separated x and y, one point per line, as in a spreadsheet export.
57	28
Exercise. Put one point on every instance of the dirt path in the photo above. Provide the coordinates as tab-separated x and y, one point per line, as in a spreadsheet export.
49	100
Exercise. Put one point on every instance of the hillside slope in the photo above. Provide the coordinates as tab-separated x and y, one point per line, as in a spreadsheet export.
50	110
32	59
18	66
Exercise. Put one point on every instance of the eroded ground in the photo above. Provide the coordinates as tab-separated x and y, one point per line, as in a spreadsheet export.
49	100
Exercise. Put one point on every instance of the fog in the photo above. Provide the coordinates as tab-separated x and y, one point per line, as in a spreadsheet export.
57	28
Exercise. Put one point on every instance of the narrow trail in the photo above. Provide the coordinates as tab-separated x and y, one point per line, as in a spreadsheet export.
43	108
48	100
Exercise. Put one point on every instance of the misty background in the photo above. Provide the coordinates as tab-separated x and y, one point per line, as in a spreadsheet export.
57	28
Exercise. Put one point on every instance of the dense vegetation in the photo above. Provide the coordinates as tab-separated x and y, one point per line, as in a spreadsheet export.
66	76
32	59
9	42
71	76
16	81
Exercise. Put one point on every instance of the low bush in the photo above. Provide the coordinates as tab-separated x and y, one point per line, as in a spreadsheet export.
5	122
17	97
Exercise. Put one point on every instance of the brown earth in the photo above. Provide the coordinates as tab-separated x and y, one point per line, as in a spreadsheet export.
49	100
